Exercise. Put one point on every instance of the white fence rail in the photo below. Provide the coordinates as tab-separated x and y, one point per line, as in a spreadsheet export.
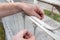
14	23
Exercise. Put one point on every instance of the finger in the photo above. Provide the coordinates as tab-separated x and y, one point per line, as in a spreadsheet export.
36	15
41	12
31	36
27	35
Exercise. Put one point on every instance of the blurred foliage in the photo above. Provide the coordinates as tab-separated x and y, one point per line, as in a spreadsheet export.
2	33
55	16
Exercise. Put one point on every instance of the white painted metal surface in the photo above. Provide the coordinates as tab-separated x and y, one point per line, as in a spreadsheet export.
45	27
14	23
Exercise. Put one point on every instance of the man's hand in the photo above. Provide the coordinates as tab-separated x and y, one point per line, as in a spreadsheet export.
7	9
24	35
33	10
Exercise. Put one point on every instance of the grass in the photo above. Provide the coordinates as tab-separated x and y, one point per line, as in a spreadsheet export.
2	36
55	16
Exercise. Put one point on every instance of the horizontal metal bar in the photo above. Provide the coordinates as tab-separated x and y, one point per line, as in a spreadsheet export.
52	2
